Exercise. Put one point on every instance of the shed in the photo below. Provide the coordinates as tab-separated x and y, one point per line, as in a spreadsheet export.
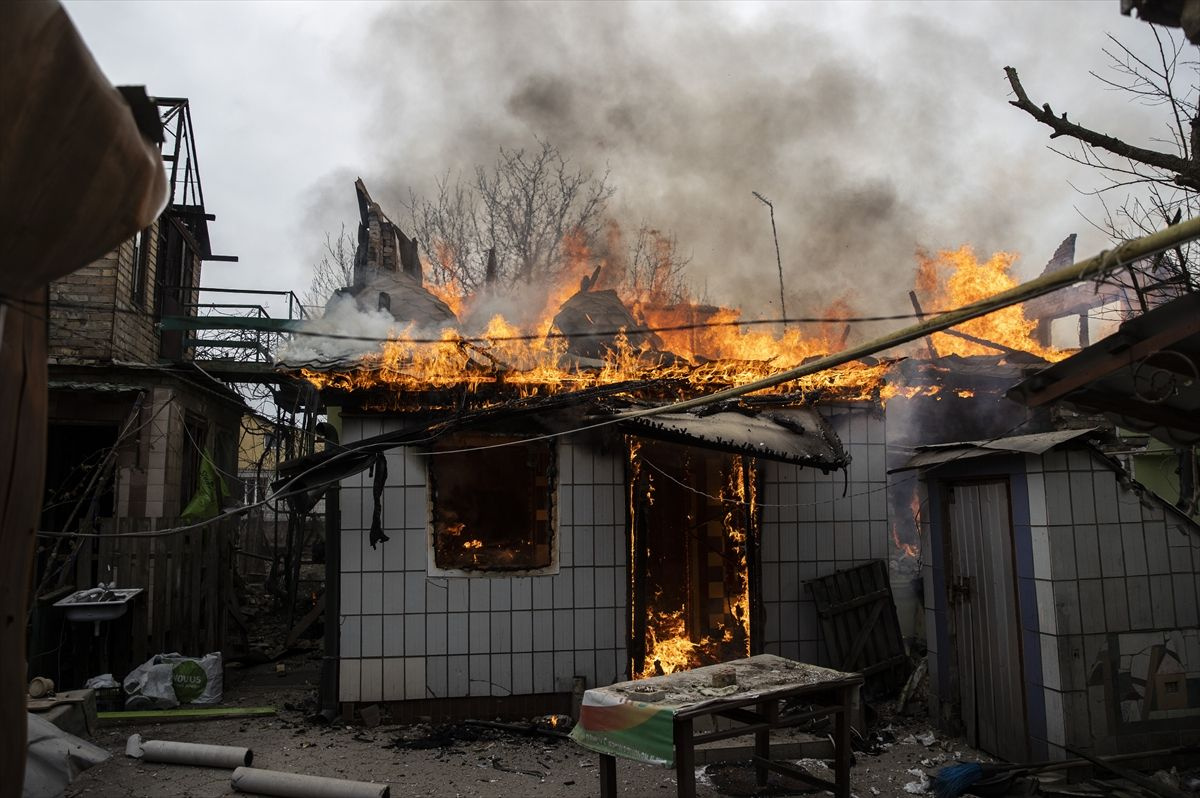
1061	599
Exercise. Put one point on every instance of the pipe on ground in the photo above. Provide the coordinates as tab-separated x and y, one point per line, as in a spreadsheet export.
200	754
298	785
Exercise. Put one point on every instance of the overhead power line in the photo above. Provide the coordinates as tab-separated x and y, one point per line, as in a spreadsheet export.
1093	268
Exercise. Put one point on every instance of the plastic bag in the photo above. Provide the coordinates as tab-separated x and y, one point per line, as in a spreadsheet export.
167	680
101	682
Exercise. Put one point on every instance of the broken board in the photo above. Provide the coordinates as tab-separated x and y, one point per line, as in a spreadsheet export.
860	626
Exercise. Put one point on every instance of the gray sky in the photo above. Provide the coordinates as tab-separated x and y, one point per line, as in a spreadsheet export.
875	128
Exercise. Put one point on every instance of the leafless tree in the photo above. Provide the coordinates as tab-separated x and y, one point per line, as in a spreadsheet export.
1143	188
335	269
447	227
523	208
655	270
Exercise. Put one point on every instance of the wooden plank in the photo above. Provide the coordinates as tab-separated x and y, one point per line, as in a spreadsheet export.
861	628
214	604
854	603
317	611
174	585
138	620
170	715
860	639
793	772
158	578
875	579
195	563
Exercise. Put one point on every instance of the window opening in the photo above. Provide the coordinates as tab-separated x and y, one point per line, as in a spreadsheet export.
492	509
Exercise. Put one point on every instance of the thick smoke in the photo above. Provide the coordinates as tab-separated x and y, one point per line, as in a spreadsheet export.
868	152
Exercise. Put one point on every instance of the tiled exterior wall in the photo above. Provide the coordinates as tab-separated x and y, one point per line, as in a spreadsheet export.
1101	577
809	529
1114	575
407	635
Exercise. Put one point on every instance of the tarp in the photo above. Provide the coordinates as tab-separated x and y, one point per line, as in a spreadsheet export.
636	720
54	758
210	494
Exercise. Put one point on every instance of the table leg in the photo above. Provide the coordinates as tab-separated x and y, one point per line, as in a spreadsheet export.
685	759
842	744
608	776
762	741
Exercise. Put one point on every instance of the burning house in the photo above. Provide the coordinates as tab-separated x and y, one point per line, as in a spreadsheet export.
524	528
525	514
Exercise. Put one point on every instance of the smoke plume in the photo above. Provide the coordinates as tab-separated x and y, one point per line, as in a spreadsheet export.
868	153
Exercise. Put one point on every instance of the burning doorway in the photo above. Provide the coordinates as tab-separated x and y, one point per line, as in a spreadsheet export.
693	528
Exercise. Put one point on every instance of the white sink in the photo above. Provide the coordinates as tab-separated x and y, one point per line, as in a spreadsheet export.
97	603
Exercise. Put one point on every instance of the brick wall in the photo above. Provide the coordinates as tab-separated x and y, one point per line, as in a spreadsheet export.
81	312
113	324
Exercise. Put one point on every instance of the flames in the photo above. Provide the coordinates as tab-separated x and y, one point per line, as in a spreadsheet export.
954	278
910	550
670	642
529	356
696	348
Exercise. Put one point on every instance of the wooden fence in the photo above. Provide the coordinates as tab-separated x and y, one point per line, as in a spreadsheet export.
186	579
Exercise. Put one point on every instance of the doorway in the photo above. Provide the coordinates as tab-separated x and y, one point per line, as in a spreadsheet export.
982	602
693	533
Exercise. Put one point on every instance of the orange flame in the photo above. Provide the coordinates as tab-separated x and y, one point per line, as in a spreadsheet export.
669	645
954	278
707	350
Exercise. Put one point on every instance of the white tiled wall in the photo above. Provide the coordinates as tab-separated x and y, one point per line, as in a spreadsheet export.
1106	562
407	635
809	529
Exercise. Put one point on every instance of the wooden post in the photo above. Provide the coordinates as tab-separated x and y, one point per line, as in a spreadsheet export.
762	742
842	741
608	776
685	758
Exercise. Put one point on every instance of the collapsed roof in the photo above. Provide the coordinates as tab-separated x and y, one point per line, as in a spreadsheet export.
387	271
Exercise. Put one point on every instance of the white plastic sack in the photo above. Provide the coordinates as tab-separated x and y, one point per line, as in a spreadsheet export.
167	680
101	682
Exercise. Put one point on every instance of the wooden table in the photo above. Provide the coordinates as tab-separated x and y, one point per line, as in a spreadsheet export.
765	681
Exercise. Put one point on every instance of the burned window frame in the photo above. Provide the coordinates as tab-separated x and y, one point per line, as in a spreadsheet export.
519	443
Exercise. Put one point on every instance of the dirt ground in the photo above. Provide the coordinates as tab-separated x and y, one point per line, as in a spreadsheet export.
496	763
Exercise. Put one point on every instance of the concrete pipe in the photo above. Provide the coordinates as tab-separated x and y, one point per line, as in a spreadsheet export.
210	756
297	785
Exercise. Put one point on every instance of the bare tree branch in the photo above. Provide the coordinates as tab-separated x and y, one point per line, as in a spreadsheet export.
1187	173
335	269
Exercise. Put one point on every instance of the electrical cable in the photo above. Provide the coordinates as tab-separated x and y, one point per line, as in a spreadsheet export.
549	335
886	486
1107	261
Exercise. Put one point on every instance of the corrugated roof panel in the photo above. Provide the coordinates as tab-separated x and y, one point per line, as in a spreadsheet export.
791	435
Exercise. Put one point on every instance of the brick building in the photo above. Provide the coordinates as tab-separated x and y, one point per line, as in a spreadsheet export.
129	411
